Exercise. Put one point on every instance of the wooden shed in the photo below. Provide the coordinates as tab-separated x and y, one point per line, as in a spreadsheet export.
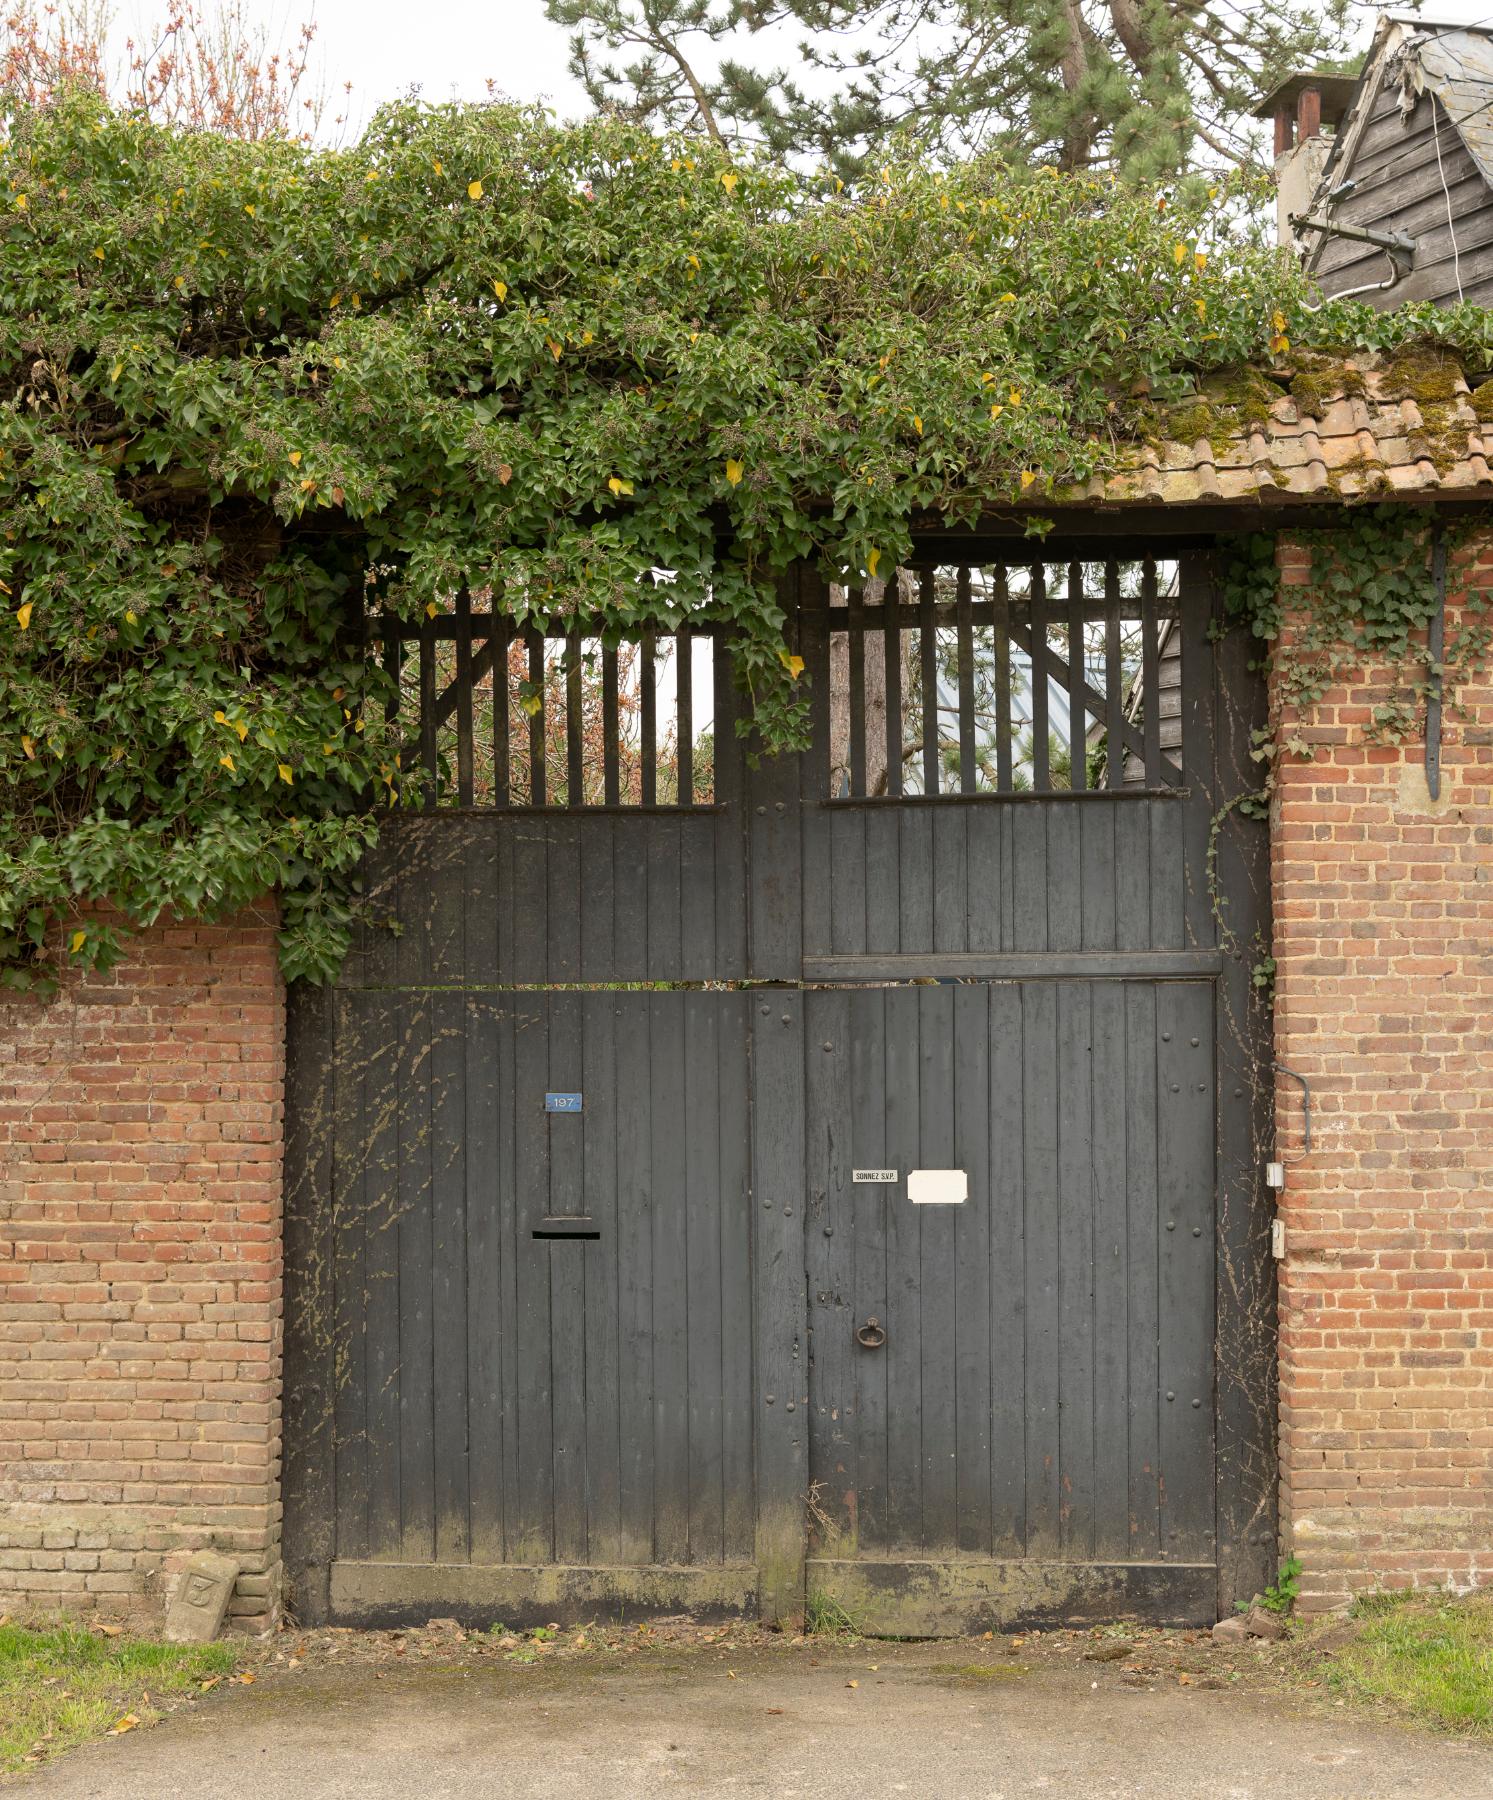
1410	165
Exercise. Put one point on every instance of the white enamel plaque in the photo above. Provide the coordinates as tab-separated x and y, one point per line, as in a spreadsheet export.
937	1187
873	1174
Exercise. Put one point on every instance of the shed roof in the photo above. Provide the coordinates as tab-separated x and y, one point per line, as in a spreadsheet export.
1359	426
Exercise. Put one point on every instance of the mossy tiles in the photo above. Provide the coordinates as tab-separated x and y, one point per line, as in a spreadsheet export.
1482	402
1423	374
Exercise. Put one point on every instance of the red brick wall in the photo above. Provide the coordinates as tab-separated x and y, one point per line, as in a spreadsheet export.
1384	1000
140	1175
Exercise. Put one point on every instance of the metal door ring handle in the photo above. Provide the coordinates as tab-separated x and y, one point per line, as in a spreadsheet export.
871	1335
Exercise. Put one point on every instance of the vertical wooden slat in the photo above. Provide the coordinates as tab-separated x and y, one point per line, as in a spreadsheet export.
684	716
928	664
602	1320
647	677
1002	637
867	1203
830	1242
700	1128
446	1073
1041	774
463	698
782	1303
610	754
1114	680
486	1254
635	1200
1078	775
733	1139
1006	1271
501	723
1043	1349
1150	674
967	782
575	767
974	1396
427	712
416	1366
1075	1267
856	660
536	717
903	1316
937	1269
892	639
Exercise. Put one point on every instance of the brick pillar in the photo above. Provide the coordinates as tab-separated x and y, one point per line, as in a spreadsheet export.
140	1265
1383	905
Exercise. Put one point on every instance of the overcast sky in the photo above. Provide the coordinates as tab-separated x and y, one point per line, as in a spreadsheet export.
383	47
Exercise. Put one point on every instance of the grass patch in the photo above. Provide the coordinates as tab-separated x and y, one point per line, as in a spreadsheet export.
63	1685
1424	1654
824	1617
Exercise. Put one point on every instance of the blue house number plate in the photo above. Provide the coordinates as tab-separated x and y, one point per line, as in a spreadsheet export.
562	1103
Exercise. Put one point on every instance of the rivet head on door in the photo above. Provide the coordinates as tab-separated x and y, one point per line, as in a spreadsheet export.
829	1046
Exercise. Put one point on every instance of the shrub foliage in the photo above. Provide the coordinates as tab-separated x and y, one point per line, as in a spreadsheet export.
255	392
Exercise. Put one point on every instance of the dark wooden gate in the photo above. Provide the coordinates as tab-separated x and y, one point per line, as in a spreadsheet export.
666	1350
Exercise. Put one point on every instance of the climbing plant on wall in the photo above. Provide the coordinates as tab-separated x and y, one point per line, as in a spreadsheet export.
253	393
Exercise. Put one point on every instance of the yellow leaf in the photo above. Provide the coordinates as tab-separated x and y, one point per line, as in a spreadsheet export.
29	746
871	562
531	704
250	211
474	190
996	411
241	729
555	350
436	165
917	424
116	371
588	337
1028	476
220	718
295	459
1202	307
1179	254
23	615
1015	396
99	255
286	773
127	1723
1278	320
619	486
336	299
734	470
129	618
1008	299
308	486
1280	343
793	664
728	182
226	762
500	288
1199	261
431	609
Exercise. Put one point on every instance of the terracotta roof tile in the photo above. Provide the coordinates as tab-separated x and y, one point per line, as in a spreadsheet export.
1329	429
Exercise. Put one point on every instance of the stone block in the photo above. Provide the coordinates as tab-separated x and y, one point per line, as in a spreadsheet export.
200	1600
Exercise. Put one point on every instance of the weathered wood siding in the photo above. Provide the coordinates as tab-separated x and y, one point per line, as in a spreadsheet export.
1447	208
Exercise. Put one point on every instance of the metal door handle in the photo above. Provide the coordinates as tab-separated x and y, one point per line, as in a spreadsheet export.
871	1335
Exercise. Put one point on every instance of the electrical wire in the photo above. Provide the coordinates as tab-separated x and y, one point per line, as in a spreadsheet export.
1451	223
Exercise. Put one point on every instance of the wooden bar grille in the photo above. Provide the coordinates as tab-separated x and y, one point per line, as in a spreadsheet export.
962	679
495	714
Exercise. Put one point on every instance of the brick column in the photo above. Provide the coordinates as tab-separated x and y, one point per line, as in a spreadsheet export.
1383	903
140	1174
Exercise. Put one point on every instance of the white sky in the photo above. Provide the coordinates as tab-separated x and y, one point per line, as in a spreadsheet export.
384	46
